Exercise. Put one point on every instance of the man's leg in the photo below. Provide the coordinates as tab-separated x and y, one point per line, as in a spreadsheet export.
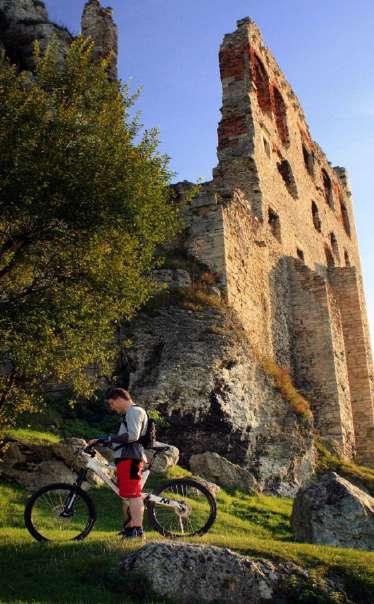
136	512
126	512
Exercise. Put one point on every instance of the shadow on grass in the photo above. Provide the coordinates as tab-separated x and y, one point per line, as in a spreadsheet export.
67	573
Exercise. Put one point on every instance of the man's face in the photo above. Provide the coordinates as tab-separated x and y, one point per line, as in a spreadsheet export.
117	404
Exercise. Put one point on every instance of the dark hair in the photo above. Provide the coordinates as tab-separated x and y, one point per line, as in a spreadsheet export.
115	393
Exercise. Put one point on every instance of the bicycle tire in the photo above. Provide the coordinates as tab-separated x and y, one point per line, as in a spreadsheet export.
32	502
177	487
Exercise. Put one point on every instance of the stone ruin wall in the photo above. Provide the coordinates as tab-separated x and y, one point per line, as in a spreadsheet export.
276	224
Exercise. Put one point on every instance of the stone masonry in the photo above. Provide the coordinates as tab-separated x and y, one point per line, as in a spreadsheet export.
276	225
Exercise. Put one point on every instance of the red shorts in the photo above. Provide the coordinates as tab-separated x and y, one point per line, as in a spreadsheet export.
129	477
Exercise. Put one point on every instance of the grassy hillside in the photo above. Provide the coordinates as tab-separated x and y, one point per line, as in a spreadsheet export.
86	571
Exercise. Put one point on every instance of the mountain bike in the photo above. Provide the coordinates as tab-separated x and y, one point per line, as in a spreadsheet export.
57	512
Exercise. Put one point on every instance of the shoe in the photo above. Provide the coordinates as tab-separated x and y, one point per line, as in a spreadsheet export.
129	533
132	533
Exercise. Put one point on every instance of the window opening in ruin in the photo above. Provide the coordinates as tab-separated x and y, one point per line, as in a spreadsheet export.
316	218
274	222
346	258
280	112
327	186
261	80
308	161
334	245
300	254
329	257
267	147
288	177
346	224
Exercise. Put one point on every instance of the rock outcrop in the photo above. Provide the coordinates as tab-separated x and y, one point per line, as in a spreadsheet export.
217	469
198	370
34	466
97	23
197	573
22	22
333	511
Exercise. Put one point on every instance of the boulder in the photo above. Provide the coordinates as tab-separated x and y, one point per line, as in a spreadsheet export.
159	462
34	476
213	488
217	469
199	573
34	466
332	511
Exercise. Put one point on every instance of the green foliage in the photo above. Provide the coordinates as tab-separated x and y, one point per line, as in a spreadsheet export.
84	205
328	461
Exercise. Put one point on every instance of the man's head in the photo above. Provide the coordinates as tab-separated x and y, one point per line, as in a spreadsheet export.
118	399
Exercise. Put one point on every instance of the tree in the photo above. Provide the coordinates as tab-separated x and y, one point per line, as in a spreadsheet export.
84	206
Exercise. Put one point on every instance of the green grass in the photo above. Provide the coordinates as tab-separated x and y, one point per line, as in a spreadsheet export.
360	475
34	437
86	571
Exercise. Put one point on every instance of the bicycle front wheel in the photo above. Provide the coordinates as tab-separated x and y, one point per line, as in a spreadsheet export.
195	514
60	512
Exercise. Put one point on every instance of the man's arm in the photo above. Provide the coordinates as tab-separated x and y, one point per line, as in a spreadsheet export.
134	421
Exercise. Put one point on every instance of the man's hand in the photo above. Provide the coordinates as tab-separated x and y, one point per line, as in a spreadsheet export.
93	441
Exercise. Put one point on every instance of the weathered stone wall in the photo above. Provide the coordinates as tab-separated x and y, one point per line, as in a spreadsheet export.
276	199
347	289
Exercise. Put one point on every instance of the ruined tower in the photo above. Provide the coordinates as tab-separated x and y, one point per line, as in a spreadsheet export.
97	23
276	224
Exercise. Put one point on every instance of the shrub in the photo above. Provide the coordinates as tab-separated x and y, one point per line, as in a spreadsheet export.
284	384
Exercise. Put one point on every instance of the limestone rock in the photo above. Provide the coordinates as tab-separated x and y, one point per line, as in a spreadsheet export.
200	374
216	468
34	476
11	456
22	22
97	23
332	511
211	486
198	573
173	278
33	466
161	461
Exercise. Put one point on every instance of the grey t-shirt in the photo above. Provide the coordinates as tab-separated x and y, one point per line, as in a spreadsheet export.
134	424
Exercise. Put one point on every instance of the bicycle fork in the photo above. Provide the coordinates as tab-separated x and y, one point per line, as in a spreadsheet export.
68	506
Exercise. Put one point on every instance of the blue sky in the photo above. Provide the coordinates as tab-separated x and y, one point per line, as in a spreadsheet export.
325	49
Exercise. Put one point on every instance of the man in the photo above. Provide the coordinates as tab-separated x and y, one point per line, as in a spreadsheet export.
129	456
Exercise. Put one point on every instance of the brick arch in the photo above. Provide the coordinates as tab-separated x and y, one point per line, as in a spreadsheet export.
261	80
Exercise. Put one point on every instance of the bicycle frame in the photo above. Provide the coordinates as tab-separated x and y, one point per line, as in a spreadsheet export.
103	471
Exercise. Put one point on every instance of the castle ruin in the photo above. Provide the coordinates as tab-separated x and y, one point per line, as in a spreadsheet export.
276	224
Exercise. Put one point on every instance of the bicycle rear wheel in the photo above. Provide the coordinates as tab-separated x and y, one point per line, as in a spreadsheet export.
199	509
60	512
